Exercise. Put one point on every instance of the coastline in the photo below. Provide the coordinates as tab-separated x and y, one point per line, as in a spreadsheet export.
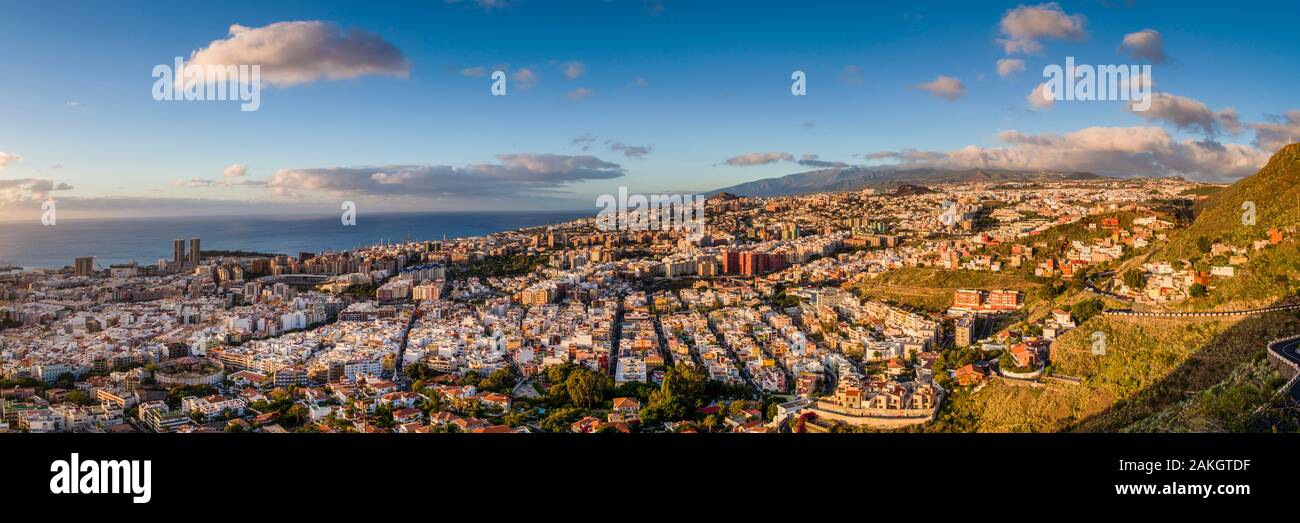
145	240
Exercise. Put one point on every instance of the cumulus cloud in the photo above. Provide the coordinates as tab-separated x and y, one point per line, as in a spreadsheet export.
524	78
1024	26
851	75
631	151
750	159
8	158
572	70
1040	98
232	176
486	5
28	190
1010	66
292	53
1118	151
1188	114
905	156
581	93
584	141
1146	44
1280	131
194	182
812	160
516	174
944	87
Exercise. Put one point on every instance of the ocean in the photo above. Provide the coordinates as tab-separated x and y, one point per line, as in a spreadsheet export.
146	240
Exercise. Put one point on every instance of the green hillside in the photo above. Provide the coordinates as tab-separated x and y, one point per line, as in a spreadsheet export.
1275	192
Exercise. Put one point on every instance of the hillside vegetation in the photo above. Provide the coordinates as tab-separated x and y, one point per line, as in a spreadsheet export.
1150	367
1275	192
931	289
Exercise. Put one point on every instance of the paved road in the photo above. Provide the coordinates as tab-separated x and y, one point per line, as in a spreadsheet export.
401	350
1285	356
1289	350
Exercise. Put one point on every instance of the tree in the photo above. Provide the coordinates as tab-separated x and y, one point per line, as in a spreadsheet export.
501	380
1086	309
680	394
585	387
1197	290
1204	244
234	427
1135	279
513	419
80	397
559	419
297	413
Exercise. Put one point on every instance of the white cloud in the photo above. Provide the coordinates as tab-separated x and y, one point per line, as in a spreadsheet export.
237	170
944	87
1024	26
1146	44
584	141
28	190
194	182
8	158
292	53
631	151
1040	98
516	174
474	72
1010	66
572	70
750	159
1281	131
524	78
581	93
486	5
852	75
1118	151
1188	114
812	160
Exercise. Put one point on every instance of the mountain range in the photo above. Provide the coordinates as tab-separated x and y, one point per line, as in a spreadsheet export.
884	178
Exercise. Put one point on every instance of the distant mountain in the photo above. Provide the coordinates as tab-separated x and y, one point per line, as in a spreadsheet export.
884	178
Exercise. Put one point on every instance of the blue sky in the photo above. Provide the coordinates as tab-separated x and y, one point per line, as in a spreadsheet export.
696	83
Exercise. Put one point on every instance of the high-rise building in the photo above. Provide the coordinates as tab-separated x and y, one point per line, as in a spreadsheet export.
178	251
964	331
194	251
85	266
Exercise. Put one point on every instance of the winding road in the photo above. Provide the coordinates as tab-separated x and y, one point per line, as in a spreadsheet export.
1285	355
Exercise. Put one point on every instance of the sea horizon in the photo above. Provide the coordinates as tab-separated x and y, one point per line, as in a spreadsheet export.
145	240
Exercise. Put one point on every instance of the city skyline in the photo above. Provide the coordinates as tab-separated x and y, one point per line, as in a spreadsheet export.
391	106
